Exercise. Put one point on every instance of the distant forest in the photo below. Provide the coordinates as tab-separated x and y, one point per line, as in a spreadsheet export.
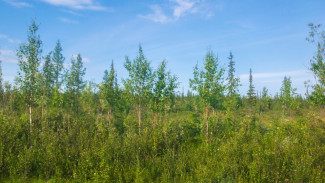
57	127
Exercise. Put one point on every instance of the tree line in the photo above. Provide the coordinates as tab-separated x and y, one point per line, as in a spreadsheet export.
54	86
51	101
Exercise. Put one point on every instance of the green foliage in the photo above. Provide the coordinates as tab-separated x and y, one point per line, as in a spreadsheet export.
109	92
287	93
265	102
164	89
251	95
75	82
2	94
29	57
317	37
233	81
58	60
140	81
209	82
49	75
89	132
140	78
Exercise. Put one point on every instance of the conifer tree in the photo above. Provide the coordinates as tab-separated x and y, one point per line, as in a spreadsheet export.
57	60
29	57
139	83
251	91
109	91
232	97
46	83
75	82
49	74
233	81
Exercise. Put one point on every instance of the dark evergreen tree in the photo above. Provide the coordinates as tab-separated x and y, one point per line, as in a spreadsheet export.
75	82
49	75
233	81
251	95
109	92
58	60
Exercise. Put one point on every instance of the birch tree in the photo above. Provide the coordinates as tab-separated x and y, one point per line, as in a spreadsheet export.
29	57
209	83
139	83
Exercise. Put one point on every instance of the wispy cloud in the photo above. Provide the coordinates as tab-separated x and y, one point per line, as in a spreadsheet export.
68	21
157	15
180	8
184	7
8	56
10	40
18	4
72	12
79	4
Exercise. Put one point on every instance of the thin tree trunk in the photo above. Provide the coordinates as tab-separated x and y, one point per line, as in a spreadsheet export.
156	119
77	106
42	111
30	118
68	123
3	99
207	121
30	112
139	115
109	115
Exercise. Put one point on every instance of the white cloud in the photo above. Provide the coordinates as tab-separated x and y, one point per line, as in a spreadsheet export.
157	15
69	21
10	40
8	56
18	4
181	8
78	4
72	12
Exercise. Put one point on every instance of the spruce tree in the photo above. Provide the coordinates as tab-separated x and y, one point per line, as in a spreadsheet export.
75	82
251	95
49	74
109	91
57	59
233	82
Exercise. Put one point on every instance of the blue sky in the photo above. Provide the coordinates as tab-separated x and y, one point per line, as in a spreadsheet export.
267	36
